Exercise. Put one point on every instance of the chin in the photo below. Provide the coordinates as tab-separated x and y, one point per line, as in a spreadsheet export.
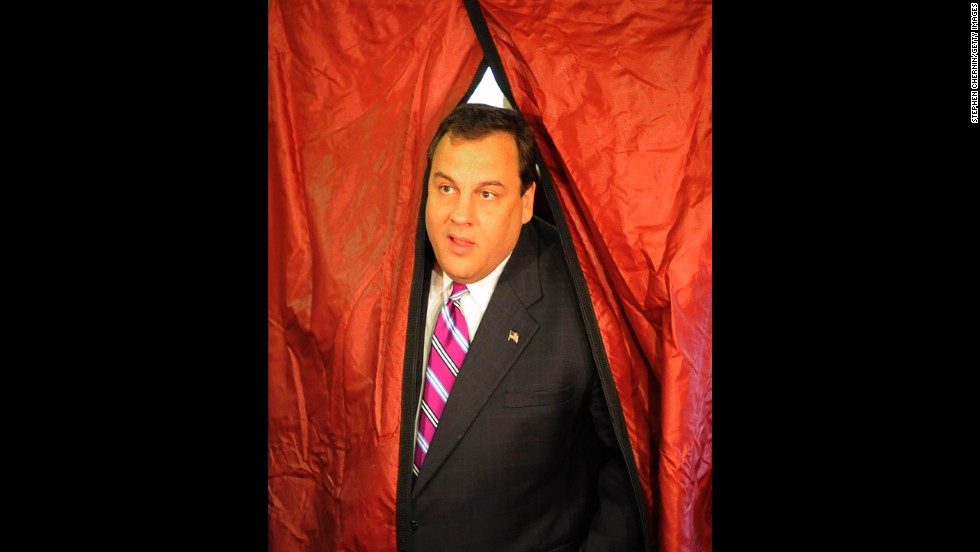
456	276
461	276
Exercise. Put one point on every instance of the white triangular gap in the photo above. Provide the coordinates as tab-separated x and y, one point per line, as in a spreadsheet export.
487	92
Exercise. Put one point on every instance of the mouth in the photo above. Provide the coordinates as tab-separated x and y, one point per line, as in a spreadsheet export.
460	245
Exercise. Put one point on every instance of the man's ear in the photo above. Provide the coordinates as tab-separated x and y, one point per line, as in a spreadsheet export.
527	203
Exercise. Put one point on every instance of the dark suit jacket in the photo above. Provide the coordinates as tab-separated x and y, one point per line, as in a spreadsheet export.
525	457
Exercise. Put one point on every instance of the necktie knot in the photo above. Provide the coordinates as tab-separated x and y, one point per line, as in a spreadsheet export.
458	291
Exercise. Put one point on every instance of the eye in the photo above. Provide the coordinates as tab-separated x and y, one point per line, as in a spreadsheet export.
446	189
486	194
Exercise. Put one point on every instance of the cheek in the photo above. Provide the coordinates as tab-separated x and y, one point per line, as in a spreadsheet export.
505	228
432	209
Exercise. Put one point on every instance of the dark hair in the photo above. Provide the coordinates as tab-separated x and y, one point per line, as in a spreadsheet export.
476	121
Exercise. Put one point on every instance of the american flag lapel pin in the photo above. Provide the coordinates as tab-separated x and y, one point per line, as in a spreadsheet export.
513	336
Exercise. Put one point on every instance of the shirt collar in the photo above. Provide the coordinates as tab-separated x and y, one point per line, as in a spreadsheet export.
480	290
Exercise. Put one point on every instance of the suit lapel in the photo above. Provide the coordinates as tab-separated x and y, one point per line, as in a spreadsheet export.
492	353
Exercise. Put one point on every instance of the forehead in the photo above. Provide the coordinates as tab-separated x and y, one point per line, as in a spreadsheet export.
494	155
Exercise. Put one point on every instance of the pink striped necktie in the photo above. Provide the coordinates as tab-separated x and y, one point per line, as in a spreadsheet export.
450	341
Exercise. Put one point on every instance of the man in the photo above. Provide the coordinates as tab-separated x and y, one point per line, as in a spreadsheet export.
513	448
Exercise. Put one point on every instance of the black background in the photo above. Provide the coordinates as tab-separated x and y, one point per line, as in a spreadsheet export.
844	169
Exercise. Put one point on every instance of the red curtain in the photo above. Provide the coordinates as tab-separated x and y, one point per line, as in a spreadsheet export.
355	93
620	94
619	97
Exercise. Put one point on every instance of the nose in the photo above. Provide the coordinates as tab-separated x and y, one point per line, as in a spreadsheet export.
462	212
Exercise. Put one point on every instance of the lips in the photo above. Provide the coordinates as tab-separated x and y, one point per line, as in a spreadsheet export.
460	245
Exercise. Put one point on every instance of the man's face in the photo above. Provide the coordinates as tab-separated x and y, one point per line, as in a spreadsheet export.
475	209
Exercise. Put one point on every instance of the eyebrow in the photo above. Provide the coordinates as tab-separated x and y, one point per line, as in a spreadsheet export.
451	179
